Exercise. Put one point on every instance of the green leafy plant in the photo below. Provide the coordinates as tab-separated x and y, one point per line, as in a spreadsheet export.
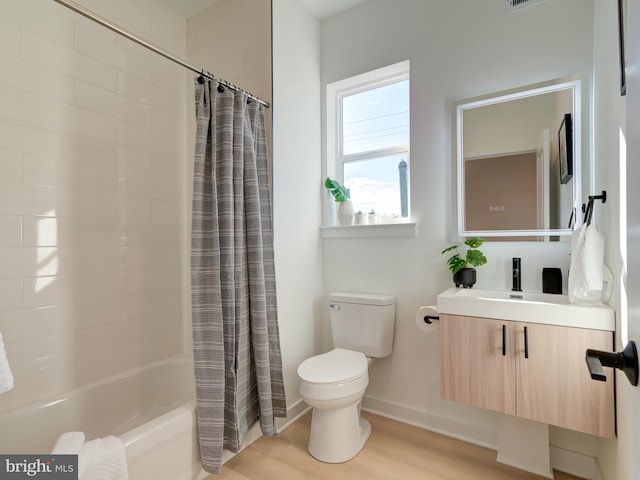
340	192
473	257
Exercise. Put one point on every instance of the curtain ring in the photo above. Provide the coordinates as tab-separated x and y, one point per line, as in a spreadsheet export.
220	88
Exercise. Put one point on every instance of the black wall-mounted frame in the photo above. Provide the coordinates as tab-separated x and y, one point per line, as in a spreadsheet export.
565	148
622	25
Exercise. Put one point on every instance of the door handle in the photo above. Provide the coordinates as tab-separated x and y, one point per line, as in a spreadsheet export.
627	361
526	343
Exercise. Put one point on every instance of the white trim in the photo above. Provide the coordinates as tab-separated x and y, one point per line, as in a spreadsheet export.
409	229
476	434
574	463
297	410
293	415
459	200
334	93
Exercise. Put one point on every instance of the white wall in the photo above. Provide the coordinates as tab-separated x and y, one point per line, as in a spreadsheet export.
92	147
297	185
457	49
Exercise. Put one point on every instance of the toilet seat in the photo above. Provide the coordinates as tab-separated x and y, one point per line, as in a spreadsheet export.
334	375
334	367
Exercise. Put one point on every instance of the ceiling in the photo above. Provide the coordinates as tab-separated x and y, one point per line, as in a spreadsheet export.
321	9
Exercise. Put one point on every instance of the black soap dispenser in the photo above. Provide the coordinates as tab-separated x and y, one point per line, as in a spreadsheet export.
516	272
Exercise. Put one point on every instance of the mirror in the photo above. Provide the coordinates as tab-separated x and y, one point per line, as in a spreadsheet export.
521	162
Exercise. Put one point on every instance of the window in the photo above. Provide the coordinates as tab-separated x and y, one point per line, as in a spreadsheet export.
368	142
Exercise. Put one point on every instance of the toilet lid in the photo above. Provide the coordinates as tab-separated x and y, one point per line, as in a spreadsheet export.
338	365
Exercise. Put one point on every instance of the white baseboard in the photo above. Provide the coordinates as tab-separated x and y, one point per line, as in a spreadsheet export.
293	413
574	463
476	434
599	475
577	464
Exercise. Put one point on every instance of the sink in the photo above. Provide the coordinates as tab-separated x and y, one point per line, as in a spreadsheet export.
532	307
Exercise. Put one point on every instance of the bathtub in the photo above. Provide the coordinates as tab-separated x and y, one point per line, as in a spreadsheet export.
152	410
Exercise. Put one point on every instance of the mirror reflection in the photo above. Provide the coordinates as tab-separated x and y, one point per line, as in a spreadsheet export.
518	163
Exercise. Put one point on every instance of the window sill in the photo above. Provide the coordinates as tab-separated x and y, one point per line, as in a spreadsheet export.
409	229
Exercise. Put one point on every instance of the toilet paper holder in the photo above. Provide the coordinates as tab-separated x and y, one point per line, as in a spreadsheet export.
627	361
428	319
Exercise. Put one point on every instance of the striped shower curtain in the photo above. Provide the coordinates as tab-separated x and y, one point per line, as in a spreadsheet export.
236	345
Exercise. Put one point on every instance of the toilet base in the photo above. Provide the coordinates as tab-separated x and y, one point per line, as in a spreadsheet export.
337	435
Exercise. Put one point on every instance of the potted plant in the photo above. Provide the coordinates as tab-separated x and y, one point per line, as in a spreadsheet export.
462	274
342	196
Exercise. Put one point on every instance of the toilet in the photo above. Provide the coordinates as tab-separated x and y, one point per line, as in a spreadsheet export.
334	383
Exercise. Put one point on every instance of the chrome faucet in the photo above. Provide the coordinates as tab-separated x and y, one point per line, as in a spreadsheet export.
517	282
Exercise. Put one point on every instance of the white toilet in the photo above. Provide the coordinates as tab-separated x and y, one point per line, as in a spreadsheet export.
333	383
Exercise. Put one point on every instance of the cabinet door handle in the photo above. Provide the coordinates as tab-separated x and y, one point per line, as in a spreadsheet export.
504	340
526	343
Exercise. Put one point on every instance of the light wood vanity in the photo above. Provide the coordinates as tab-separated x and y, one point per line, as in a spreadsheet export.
533	369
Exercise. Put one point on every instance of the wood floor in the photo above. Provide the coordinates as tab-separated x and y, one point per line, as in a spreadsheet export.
394	451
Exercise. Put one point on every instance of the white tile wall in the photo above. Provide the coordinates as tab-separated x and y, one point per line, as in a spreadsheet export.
92	210
232	39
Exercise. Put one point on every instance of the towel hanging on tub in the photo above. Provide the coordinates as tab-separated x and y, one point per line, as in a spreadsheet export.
6	377
99	459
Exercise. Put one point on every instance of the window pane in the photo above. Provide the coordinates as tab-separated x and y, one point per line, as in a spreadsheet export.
377	118
375	185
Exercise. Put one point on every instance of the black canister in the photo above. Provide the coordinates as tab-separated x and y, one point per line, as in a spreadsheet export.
551	280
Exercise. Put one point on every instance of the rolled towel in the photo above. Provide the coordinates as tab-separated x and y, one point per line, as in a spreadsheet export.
69	443
103	459
99	459
6	377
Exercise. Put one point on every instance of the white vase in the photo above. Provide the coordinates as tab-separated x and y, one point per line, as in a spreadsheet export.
345	213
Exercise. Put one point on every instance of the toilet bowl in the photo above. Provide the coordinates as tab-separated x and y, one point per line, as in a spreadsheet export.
333	384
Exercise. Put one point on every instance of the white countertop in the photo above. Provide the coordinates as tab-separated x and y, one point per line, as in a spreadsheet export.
532	307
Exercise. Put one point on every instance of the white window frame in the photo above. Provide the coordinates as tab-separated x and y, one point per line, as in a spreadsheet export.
335	158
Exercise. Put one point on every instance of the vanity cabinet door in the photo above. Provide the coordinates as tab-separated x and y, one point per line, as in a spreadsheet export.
553	384
473	368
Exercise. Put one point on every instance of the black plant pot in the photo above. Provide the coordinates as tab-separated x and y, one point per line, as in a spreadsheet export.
465	277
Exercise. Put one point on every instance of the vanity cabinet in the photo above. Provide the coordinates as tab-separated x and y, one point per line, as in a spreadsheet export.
530	370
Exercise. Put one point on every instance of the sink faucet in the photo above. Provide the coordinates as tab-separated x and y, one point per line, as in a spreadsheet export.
517	285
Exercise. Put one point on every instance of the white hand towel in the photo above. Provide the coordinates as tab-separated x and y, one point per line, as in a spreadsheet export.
587	265
103	459
6	377
99	459
69	443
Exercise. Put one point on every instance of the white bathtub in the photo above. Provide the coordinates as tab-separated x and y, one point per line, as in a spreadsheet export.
151	410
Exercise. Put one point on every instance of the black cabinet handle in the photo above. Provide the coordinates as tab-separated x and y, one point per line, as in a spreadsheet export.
504	340
526	343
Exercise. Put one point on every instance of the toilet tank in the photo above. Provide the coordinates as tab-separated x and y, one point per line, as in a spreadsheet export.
363	322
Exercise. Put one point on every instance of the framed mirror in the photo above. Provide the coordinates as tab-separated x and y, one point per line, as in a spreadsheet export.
521	162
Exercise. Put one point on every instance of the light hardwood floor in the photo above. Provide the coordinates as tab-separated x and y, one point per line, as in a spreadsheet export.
394	451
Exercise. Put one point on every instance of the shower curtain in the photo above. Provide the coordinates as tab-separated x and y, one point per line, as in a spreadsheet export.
236	345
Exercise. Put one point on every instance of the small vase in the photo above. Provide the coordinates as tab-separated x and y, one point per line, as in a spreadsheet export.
465	277
345	213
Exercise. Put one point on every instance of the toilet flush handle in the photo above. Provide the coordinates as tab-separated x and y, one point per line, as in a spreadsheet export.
334	306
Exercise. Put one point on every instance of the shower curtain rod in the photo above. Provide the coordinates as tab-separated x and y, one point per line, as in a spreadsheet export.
120	31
